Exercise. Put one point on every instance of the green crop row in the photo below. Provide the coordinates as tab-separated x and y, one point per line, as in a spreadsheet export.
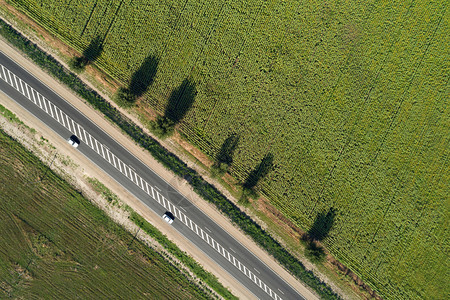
169	160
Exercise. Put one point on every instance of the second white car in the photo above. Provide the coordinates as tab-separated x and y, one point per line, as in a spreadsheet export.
168	217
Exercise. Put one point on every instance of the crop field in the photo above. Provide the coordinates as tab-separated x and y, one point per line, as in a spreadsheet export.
349	100
57	245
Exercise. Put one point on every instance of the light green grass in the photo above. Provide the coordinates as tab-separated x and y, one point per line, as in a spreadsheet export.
57	245
350	98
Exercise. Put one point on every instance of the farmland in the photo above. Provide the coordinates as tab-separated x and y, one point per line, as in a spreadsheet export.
56	244
350	101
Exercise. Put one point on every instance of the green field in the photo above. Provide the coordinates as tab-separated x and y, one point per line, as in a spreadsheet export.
351	100
57	245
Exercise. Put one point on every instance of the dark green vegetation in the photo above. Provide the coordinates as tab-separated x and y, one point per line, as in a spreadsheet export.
314	252
205	190
180	101
162	127
317	233
89	55
57	245
139	83
224	158
349	98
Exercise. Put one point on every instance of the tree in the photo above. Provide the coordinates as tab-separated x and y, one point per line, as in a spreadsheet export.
314	252
77	64
162	127
125	98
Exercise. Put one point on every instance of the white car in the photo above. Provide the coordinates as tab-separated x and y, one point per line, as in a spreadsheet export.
168	217
74	141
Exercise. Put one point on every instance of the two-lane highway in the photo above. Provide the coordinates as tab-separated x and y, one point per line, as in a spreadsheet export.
141	181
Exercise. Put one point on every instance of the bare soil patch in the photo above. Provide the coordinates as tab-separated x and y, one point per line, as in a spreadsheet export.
194	151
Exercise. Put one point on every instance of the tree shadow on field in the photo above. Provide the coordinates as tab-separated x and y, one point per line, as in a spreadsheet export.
93	51
225	154
259	172
143	77
224	157
322	225
139	83
180	101
89	55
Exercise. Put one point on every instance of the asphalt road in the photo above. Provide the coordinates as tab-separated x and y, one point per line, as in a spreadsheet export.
141	181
